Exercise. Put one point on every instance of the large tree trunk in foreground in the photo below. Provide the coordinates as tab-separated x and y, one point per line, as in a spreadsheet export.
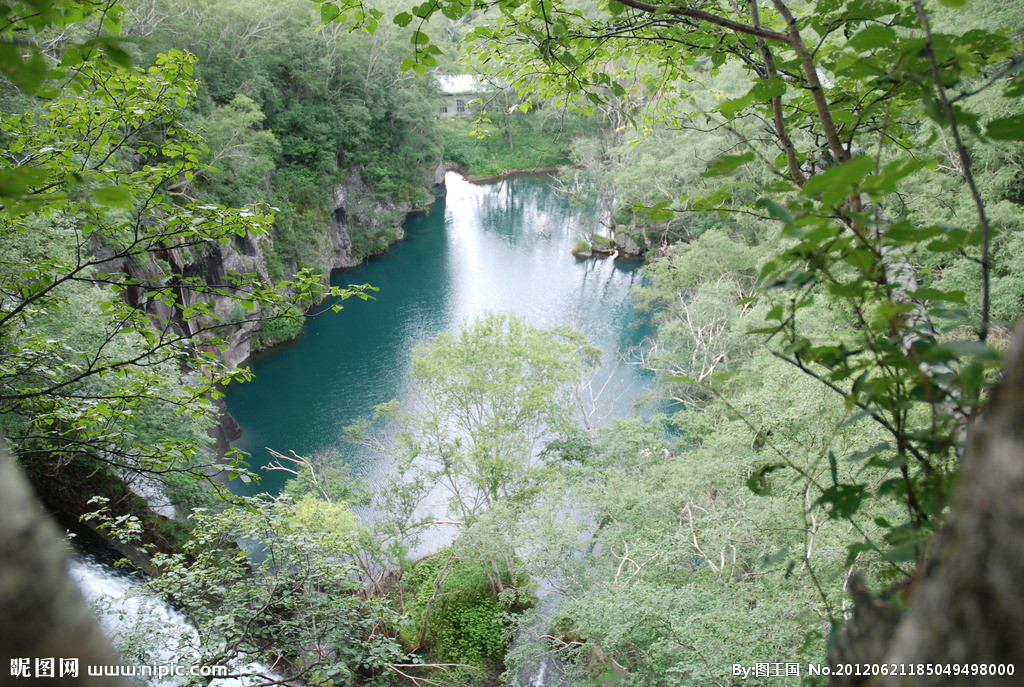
968	605
42	615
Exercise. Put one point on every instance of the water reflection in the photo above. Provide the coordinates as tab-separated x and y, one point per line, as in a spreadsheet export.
499	246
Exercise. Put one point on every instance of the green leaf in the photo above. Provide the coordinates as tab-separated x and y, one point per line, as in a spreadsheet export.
118	55
776	210
858	456
402	19
658	212
1014	87
28	74
114	196
328	12
1006	129
904	232
934	110
874	36
893	172
730	108
725	164
758	482
854	550
842	500
954	238
837	182
957	349
766	89
930	294
71	57
112	23
15	182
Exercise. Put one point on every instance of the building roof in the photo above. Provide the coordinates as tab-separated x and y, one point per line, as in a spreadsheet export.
455	84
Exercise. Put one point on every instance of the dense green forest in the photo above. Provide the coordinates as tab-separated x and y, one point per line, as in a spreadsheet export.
828	196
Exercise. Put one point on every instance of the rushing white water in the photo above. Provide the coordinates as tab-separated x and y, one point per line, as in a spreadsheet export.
144	628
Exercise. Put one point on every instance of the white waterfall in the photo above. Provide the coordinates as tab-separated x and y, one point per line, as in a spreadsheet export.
144	628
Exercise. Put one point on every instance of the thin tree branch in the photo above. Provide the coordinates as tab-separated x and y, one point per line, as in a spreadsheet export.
701	15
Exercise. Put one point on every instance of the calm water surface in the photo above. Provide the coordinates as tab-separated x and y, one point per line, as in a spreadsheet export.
498	246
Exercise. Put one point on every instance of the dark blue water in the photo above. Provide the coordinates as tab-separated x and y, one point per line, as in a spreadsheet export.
499	246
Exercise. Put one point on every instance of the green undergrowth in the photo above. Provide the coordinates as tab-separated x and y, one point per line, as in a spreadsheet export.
374	240
278	331
468	623
68	494
511	142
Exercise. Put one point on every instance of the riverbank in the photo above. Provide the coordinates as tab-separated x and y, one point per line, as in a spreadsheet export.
500	145
485	179
458	260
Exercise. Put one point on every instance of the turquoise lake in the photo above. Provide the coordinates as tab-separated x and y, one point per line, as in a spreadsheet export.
501	246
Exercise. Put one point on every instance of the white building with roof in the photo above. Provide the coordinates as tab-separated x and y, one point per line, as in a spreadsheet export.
458	90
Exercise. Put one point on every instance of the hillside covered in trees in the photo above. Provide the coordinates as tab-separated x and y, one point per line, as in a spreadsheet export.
827	196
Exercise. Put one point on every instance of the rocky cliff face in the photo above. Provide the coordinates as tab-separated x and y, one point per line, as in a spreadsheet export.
356	211
338	253
242	256
359	211
195	274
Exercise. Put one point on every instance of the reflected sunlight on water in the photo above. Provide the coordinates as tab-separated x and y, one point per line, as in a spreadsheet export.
499	246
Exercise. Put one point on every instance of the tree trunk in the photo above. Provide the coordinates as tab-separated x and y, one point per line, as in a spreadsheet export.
967	607
42	615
